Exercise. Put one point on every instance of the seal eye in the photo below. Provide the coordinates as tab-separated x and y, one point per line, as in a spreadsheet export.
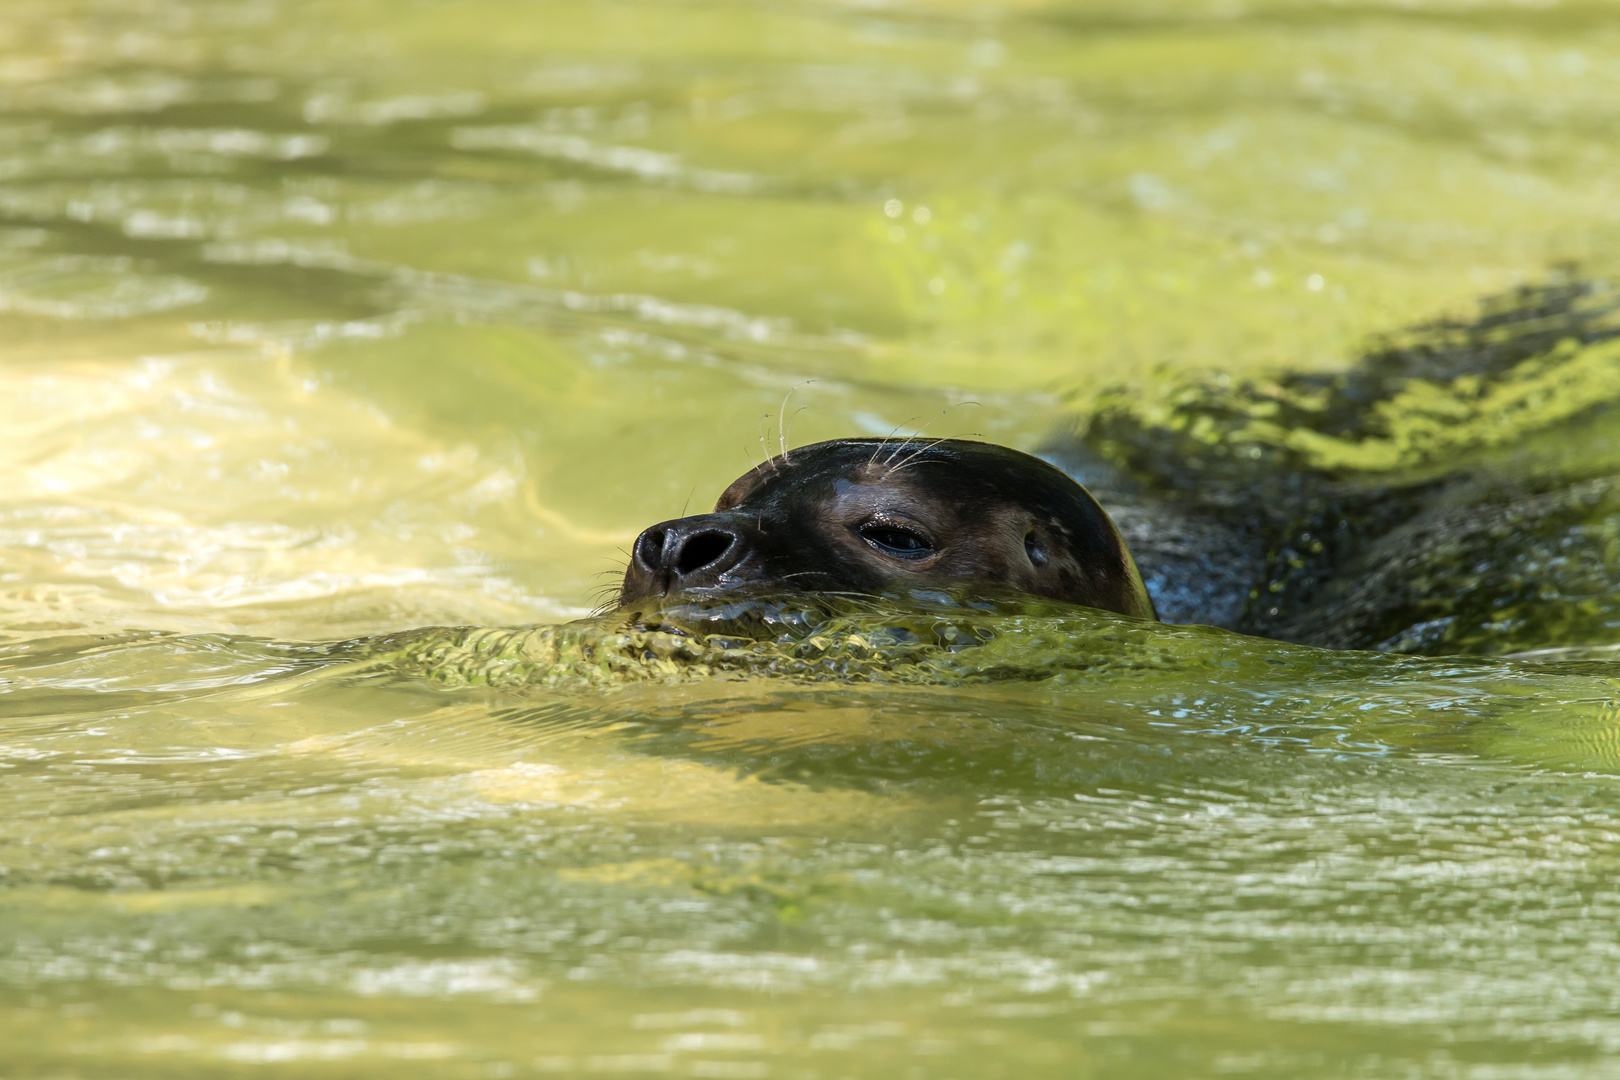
1033	548
900	543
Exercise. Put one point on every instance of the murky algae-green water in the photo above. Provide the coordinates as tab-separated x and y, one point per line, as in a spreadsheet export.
326	324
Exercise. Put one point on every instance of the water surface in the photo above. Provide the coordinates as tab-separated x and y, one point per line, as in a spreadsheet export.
320	321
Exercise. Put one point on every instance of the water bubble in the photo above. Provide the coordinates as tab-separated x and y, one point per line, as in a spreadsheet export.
1314	283
894	208
921	215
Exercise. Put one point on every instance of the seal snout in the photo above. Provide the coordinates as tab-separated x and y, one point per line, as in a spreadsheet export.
685	553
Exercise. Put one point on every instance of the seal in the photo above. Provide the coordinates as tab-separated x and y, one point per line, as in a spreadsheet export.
868	516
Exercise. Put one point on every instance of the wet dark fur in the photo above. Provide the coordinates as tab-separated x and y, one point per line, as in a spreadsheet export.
813	519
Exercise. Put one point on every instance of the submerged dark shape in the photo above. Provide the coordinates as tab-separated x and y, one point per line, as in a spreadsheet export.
1455	491
869	516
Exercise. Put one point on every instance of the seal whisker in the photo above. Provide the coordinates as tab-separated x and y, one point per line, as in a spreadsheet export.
766	450
915	454
916	435
787	439
890	459
782	424
606	598
883	443
911	459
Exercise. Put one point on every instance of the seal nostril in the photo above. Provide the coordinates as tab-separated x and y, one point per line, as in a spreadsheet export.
650	549
701	550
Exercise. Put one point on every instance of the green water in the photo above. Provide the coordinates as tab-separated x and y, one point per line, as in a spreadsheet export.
321	321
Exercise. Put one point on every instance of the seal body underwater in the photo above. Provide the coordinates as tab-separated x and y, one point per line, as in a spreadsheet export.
866	516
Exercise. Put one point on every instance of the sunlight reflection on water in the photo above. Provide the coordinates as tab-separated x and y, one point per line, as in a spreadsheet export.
329	320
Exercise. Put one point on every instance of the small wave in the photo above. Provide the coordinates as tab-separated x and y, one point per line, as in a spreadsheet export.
652	166
93	287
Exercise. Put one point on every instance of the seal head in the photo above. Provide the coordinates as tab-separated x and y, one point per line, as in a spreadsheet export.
872	515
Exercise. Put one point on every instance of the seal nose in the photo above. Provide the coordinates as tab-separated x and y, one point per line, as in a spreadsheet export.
689	551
